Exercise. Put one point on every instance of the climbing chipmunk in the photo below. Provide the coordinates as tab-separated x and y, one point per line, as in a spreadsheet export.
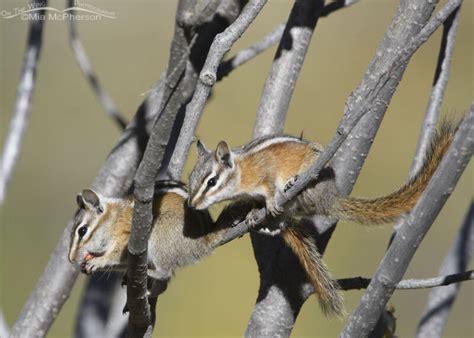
262	169
180	236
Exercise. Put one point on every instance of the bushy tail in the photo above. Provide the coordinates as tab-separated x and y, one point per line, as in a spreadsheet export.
388	208
327	289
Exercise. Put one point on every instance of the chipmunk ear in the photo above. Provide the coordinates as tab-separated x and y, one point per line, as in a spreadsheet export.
80	201
91	200
201	148
224	154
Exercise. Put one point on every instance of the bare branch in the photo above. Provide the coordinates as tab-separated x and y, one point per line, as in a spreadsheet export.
4	330
439	86
358	283
412	231
270	39
141	318
249	53
207	78
102	301
277	306
440	301
24	94
86	68
355	111
114	179
335	5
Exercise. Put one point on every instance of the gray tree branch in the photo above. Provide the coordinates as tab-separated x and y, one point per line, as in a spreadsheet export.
4	330
207	78
440	301
85	66
249	53
141	319
439	86
358	283
412	231
114	179
24	95
281	275
436	98
269	40
402	35
377	83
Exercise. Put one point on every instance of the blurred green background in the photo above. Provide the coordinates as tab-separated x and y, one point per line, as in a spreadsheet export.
69	137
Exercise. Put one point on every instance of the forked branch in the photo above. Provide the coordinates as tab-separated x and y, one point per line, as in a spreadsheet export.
24	95
412	231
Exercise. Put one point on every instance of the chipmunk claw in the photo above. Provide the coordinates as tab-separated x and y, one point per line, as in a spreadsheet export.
274	209
252	218
290	183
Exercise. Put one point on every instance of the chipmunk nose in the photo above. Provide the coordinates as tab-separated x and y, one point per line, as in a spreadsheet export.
190	203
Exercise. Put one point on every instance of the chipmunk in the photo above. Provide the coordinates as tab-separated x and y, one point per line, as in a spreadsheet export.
262	169
180	236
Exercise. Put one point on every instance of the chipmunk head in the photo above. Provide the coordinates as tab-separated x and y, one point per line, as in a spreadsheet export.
214	177
91	235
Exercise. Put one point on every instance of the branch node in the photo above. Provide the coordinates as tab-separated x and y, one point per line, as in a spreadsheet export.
208	78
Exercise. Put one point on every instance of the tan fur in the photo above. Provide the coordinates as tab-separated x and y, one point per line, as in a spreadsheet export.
327	290
264	167
180	236
389	207
278	161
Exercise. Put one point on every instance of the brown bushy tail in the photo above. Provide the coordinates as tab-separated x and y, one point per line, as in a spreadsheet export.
325	287
388	208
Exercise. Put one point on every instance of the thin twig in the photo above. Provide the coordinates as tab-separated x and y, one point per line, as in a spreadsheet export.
358	283
24	94
335	5
412	231
270	39
249	53
141	318
82	60
221	44
114	179
440	301
439	86
350	120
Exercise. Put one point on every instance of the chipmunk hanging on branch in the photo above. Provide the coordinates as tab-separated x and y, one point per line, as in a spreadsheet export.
180	235
264	168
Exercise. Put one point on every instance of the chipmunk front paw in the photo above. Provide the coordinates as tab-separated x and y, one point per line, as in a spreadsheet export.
274	209
252	218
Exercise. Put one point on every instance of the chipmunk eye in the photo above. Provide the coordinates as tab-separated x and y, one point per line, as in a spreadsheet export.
211	182
82	231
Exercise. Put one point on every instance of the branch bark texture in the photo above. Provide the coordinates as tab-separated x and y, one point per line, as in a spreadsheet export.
85	66
281	275
207	78
24	95
440	83
114	179
411	284
141	319
412	231
435	314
